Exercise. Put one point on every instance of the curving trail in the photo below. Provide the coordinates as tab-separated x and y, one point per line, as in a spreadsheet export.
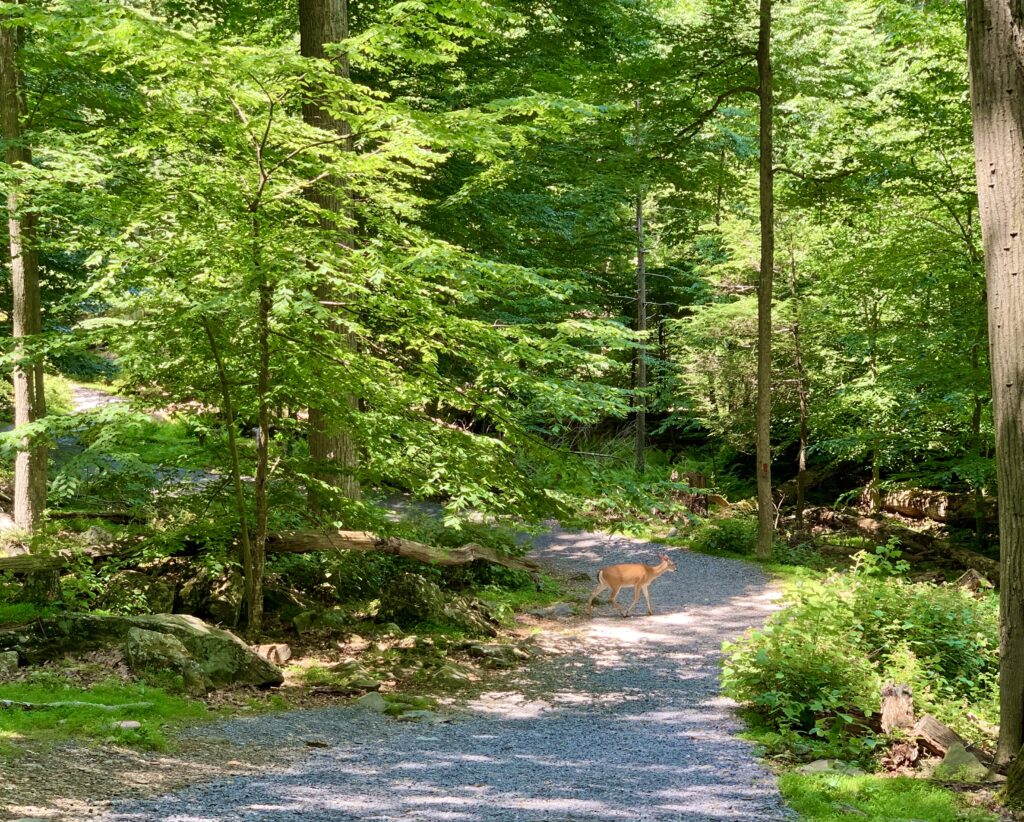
625	723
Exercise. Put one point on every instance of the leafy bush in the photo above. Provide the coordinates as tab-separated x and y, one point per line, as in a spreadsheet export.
816	668
733	535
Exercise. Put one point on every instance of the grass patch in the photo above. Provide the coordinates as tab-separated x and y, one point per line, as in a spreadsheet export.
163	712
16	613
827	797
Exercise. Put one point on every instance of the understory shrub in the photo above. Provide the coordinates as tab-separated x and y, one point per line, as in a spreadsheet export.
734	535
815	671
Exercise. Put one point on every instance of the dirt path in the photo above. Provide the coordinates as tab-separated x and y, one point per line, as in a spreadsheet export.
624	723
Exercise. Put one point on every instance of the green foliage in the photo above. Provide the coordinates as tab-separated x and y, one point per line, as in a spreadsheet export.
815	670
57	391
837	798
730	535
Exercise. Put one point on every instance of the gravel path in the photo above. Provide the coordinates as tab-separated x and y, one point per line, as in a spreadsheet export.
626	723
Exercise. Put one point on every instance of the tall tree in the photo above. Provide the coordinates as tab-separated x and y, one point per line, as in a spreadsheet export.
323	23
30	465
994	31
765	503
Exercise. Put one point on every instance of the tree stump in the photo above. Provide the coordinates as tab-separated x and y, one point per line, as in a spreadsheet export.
897	707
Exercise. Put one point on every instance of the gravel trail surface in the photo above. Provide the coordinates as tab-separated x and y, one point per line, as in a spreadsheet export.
624	723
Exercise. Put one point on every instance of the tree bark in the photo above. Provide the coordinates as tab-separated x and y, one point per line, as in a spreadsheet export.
245	538
801	387
254	579
994	37
765	502
641	329
332	451
31	463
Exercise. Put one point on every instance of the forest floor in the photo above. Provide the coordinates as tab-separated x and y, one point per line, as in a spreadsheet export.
621	719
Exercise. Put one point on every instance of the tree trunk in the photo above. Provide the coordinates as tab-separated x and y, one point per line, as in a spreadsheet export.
254	579
765	503
994	32
30	466
332	451
245	538
641	328
801	383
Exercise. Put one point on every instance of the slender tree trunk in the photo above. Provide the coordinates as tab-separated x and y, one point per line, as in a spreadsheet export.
254	580
994	37
31	463
332	451
236	471
641	328
765	503
801	388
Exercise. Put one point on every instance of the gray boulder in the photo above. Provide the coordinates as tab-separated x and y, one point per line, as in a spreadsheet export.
222	656
151	652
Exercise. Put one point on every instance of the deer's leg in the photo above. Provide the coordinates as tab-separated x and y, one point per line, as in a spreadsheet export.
636	598
615	601
601	587
647	598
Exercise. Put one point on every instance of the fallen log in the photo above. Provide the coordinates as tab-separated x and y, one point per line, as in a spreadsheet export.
923	544
304	542
936	736
941	506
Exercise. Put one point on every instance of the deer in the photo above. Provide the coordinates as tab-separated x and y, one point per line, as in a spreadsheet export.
633	575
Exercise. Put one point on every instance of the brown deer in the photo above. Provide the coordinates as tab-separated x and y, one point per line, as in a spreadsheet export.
633	575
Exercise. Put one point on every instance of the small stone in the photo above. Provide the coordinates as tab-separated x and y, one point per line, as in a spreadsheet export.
849	810
96	537
560	610
128	725
372	701
418	716
317	743
672	532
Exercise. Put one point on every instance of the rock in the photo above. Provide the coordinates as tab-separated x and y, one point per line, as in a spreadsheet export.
97	537
278	653
317	743
411	599
960	765
129	590
352	674
372	701
128	725
227	593
7	522
848	810
151	652
8	663
316	620
672	532
222	656
831	766
496	654
449	674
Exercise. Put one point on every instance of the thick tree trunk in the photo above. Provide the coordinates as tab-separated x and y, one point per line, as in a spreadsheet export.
765	503
30	466
332	451
994	36
641	328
